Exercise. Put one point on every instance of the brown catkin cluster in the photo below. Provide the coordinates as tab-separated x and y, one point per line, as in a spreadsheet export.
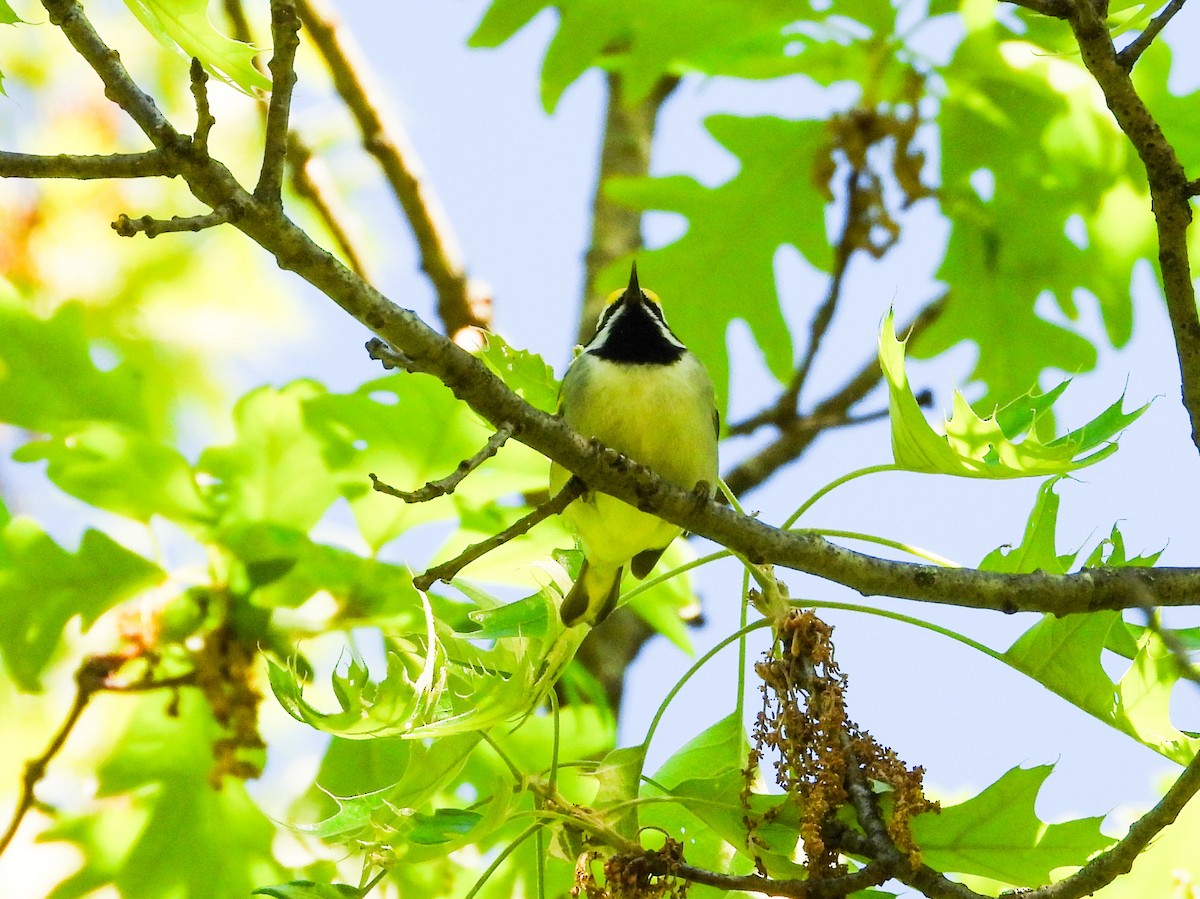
803	726
647	875
225	675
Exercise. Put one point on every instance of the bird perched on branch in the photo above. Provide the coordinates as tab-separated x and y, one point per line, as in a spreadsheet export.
635	388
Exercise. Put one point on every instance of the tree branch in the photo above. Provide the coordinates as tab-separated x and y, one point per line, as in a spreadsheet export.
625	153
285	34
784	410
204	116
448	570
151	164
1132	51
1169	194
446	485
152	227
463	303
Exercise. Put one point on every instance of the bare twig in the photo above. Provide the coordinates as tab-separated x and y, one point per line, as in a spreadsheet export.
309	176
1132	51
285	35
204	116
92	677
152	227
389	358
446	485
151	164
447	570
617	229
463	303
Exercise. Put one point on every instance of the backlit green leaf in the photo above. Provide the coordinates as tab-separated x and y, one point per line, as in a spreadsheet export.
275	470
998	835
43	587
184	25
308	889
159	828
723	269
977	447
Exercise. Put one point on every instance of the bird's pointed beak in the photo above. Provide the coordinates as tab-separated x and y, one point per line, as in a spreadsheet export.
633	293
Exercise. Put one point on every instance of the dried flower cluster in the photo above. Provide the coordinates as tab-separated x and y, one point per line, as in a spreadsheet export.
646	875
818	751
225	675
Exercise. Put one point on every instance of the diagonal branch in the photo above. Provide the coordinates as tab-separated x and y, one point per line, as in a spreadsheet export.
783	411
1133	51
463	304
285	34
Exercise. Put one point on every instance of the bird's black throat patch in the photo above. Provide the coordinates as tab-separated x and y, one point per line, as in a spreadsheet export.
635	335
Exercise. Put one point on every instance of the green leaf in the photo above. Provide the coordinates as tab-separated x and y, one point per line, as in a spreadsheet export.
1037	550
184	25
410	429
1065	654
308	889
43	587
48	381
977	447
275	470
723	269
159	827
998	835
119	469
619	775
526	374
1034	126
7	16
705	777
442	826
645	42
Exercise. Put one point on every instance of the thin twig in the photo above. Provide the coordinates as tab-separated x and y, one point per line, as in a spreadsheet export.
464	304
783	409
285	35
152	227
204	116
625	153
151	164
91	678
447	570
446	485
309	176
1130	54
389	358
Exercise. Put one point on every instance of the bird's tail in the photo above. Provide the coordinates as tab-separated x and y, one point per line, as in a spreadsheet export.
593	595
